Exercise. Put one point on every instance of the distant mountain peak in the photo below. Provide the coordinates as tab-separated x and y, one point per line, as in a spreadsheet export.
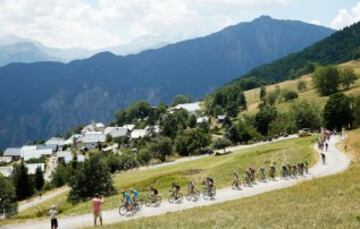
264	18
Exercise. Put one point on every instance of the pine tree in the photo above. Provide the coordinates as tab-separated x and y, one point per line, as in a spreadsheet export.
39	179
23	185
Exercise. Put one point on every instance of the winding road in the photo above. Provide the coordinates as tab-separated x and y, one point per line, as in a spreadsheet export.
336	162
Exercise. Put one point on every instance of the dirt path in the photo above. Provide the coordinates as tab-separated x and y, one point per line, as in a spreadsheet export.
336	163
38	200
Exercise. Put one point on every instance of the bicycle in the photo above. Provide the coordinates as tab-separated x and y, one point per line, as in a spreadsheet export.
175	197
193	196
127	207
209	193
152	199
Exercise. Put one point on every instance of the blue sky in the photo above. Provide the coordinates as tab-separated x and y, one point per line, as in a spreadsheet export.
95	24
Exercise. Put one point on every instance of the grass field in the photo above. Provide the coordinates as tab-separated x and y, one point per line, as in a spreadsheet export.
329	202
220	168
310	94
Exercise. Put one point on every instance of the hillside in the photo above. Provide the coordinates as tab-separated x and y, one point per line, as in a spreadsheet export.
310	94
46	98
340	47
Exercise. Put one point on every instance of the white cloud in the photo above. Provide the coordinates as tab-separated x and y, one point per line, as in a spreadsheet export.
346	17
69	23
315	22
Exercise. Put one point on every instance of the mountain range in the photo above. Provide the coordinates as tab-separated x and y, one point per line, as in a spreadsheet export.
46	98
14	49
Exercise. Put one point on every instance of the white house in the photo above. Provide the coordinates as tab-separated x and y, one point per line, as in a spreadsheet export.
138	133
116	132
55	141
189	107
13	152
32	167
72	139
202	119
6	171
5	160
111	148
130	127
35	154
93	127
91	139
68	156
221	118
152	129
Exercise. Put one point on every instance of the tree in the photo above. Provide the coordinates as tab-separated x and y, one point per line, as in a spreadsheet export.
180	99
169	126
181	142
60	176
337	112
283	124
144	156
263	118
92	177
290	95
326	80
242	101
162	148
233	135
22	182
301	86
232	109
8	204
262	93
222	143
306	115
191	141
348	77
192	121
39	179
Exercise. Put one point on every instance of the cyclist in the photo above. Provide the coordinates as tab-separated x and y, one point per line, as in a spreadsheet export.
248	177
252	173
326	146
191	187
153	192
175	189
284	171
262	174
135	196
272	171
209	184
128	200
306	167
236	179
294	170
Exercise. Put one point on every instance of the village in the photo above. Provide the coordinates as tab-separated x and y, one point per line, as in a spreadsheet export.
95	136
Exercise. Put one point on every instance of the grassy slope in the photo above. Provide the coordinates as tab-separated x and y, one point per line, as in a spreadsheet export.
220	168
252	96
330	202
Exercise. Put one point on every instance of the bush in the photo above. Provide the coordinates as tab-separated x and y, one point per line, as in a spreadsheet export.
222	143
289	95
301	86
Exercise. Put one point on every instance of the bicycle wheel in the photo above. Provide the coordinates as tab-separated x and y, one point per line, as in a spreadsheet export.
148	202
213	191
189	196
180	197
171	198
197	195
157	200
122	210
